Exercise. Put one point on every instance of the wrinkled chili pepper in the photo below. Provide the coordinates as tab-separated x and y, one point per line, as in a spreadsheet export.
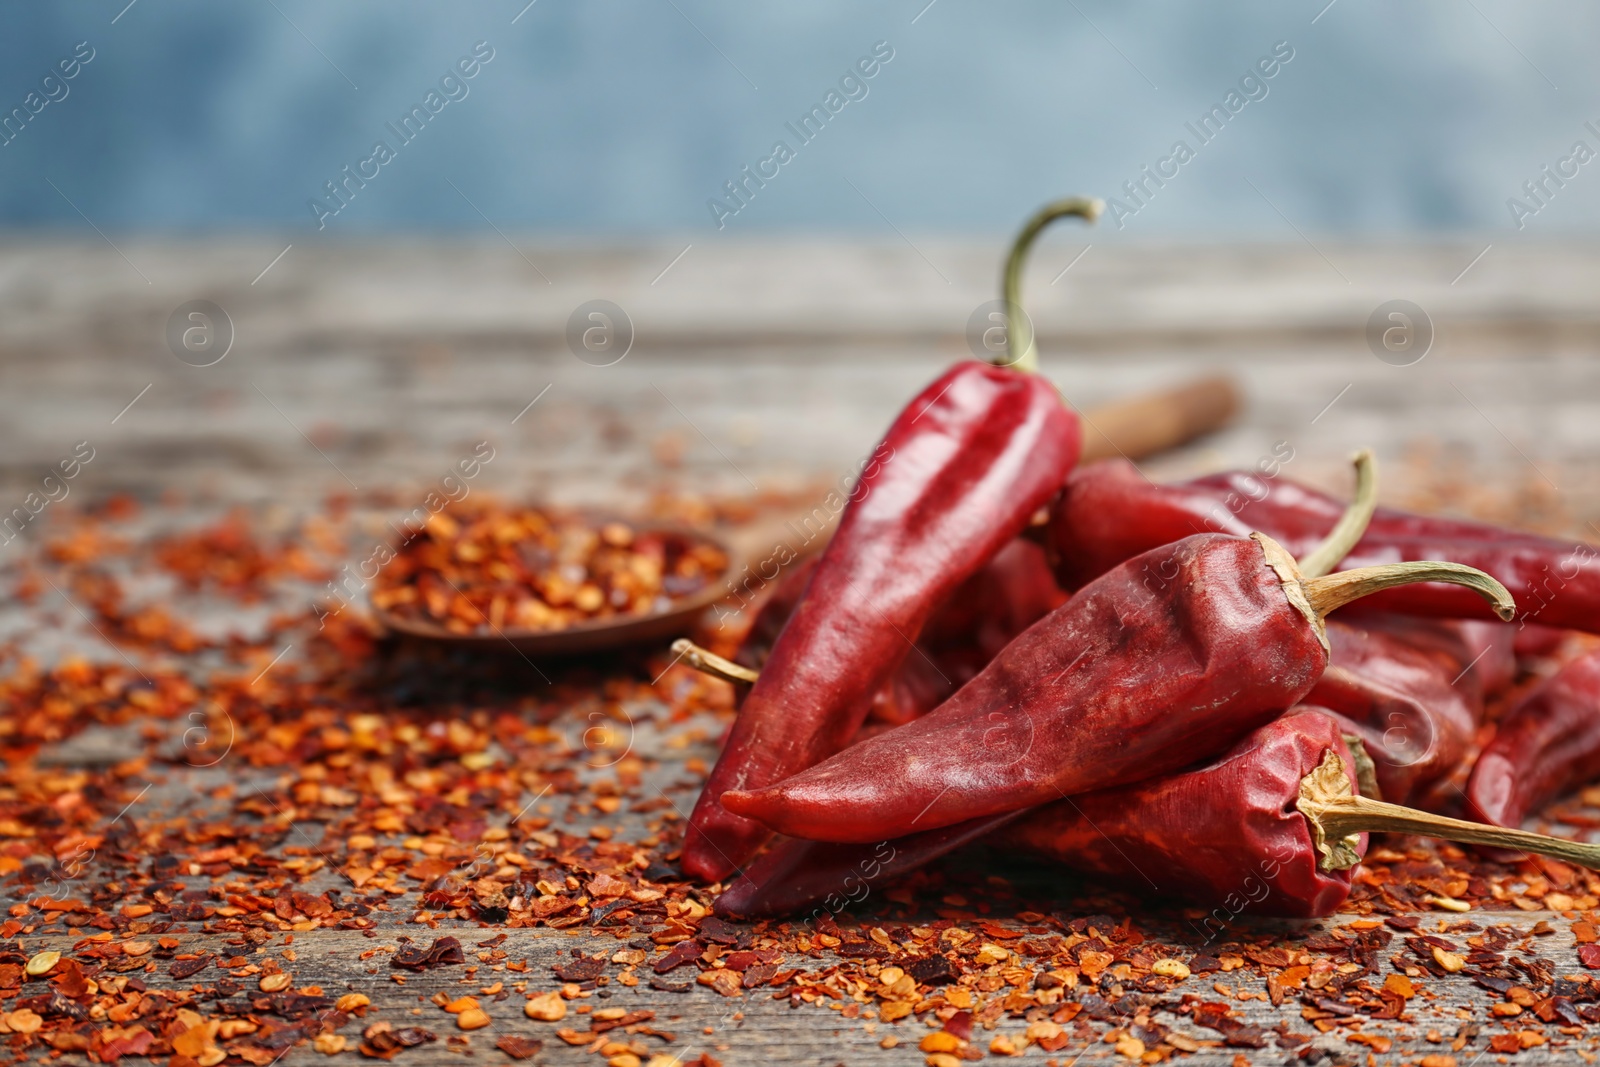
1413	691
1389	679
1128	680
1110	512
1008	594
959	474
1224	834
1546	744
1274	826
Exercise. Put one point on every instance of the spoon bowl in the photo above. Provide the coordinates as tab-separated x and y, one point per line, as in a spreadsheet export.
593	635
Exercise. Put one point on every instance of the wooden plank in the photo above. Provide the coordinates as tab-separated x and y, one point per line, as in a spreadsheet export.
756	1028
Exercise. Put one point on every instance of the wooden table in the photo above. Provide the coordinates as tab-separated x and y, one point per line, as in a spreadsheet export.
756	367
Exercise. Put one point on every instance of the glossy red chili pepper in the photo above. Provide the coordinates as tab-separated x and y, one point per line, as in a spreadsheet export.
1546	744
1110	512
1011	592
1129	679
958	475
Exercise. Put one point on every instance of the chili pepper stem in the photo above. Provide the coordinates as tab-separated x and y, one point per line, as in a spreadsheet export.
1351	525
1315	598
708	662
1337	816
1331	591
1020	352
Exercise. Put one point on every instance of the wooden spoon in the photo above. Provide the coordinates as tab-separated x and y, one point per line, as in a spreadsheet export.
1133	428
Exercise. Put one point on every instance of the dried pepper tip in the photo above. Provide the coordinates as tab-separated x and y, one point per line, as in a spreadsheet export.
1337	816
1021	353
708	662
1351	525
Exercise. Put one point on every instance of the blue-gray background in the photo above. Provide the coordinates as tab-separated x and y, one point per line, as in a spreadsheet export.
625	116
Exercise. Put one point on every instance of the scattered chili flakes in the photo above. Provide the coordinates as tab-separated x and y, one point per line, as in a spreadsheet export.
518	1047
546	1007
449	797
444	951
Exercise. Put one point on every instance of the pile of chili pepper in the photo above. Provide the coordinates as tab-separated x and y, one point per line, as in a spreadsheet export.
1187	717
961	473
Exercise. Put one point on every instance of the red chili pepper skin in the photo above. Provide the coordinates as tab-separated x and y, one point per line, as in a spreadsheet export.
1226	835
822	877
958	475
1127	680
1537	643
1393	688
1110	512
1010	593
1390	677
1481	657
1546	744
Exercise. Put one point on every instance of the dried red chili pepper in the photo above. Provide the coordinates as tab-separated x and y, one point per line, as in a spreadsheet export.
1546	744
959	474
1273	827
1413	691
1409	691
1008	594
794	876
1127	680
1110	512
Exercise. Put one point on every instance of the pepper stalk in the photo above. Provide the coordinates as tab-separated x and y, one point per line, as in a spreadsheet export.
1347	532
708	662
1021	353
1315	593
1337	815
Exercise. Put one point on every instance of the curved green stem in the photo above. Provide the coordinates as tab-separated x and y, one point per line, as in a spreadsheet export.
1020	351
1332	591
1315	597
1352	524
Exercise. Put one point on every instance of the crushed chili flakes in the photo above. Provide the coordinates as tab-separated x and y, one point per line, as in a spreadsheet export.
481	567
169	819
